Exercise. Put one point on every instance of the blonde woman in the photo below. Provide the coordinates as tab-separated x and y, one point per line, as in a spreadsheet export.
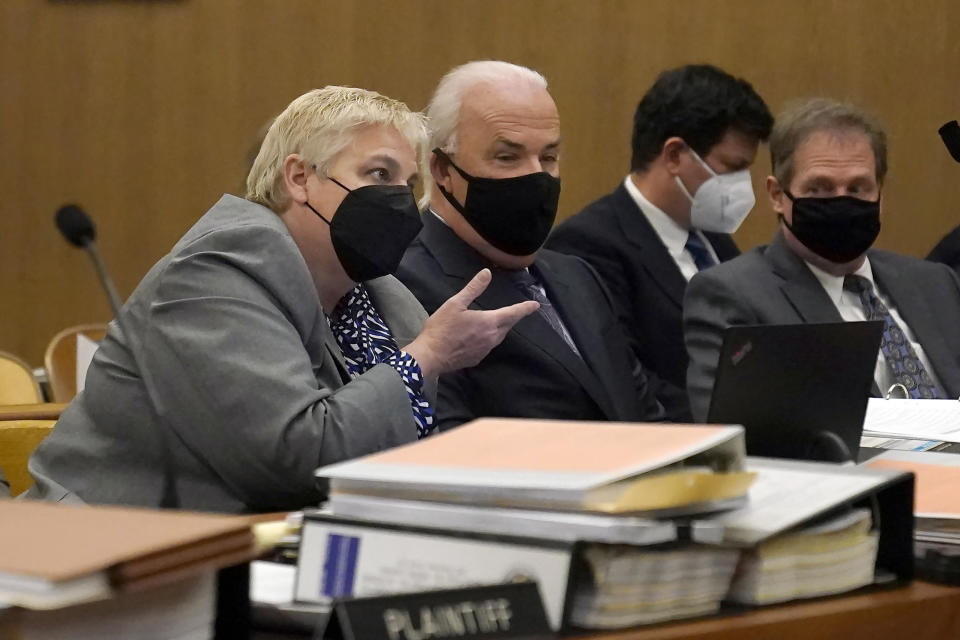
272	339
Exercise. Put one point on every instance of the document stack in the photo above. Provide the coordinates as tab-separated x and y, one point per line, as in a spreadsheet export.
585	509
813	529
835	556
78	572
631	587
937	510
619	524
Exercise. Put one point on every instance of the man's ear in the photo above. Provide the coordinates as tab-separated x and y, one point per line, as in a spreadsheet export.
671	154
778	199
295	174
440	171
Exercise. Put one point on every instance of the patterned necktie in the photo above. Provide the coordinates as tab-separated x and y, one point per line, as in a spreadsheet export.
528	285
698	249
901	359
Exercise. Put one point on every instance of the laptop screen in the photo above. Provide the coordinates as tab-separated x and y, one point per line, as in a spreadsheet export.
799	390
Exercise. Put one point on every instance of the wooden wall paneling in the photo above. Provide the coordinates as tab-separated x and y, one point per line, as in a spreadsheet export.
144	112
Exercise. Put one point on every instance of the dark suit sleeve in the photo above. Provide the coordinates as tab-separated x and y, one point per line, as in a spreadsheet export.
645	382
710	306
587	243
583	242
947	250
454	406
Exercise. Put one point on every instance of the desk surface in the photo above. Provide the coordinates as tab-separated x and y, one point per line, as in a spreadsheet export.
41	411
920	611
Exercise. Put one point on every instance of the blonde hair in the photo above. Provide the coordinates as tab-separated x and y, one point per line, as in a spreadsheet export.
317	126
443	113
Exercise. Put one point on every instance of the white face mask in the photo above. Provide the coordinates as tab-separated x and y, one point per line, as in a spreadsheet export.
722	202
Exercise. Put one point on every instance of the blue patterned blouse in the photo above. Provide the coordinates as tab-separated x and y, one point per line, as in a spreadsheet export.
366	341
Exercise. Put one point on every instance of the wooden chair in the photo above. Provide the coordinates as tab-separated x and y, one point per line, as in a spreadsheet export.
17	384
18	439
60	359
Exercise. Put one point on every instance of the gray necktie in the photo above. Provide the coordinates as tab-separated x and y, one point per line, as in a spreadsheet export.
528	285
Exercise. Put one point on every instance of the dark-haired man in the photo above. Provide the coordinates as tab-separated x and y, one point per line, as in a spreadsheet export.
695	135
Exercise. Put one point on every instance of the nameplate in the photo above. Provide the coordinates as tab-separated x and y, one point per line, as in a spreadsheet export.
501	611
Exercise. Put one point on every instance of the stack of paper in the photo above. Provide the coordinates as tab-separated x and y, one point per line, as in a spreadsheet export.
594	512
787	557
498	494
599	467
789	493
181	610
927	420
937	502
633	586
566	526
832	557
97	572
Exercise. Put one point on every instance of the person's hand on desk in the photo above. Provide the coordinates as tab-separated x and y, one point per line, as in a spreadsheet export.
456	336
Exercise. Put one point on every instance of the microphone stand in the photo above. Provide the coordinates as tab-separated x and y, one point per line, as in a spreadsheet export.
105	278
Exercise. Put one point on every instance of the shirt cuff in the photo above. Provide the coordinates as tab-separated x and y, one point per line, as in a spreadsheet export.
409	369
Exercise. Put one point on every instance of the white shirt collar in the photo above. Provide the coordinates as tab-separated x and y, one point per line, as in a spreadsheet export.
437	216
673	236
833	285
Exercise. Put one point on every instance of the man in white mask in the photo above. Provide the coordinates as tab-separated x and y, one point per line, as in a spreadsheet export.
695	135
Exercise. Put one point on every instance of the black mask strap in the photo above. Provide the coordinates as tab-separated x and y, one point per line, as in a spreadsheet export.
446	194
463	174
339	184
319	215
336	182
310	206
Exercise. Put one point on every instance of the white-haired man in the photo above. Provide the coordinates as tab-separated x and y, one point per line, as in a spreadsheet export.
271	339
495	135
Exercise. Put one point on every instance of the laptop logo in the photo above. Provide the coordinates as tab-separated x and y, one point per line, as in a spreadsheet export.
741	353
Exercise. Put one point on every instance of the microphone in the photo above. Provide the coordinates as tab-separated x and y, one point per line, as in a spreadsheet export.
950	133
77	227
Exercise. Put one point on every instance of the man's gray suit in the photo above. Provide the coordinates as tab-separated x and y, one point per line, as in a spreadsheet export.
771	285
249	392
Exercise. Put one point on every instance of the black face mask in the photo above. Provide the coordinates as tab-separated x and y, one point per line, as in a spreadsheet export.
839	229
514	215
372	228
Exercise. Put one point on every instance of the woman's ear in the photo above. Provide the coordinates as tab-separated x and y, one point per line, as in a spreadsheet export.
295	174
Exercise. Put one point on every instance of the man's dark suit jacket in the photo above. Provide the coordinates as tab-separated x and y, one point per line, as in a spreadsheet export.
647	287
532	373
947	250
771	285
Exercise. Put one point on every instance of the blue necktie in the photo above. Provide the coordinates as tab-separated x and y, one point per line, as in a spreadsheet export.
698	249
902	360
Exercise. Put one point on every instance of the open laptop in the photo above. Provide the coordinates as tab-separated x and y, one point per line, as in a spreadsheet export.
799	390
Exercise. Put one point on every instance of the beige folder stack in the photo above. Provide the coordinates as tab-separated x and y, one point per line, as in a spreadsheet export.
94	572
608	488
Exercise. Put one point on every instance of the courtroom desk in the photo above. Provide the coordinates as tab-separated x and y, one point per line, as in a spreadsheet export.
40	411
920	611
